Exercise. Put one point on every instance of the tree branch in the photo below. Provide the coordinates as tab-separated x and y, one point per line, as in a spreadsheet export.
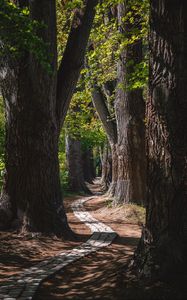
98	100
73	58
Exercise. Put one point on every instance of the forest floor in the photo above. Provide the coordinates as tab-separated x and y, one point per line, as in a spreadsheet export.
101	275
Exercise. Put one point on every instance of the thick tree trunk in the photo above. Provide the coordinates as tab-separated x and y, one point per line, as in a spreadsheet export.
32	185
126	136
75	165
163	246
34	116
106	177
88	164
129	110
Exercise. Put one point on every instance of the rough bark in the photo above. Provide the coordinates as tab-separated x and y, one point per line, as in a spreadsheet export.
32	185
112	188
129	111
34	115
106	177
127	135
162	251
75	165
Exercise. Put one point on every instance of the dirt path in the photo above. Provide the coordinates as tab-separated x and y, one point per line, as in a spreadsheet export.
100	275
92	277
96	276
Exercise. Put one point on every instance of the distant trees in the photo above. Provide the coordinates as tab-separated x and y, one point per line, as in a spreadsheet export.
89	168
83	134
100	102
106	161
162	250
75	166
36	102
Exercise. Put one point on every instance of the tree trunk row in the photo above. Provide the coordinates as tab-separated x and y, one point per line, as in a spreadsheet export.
36	102
126	135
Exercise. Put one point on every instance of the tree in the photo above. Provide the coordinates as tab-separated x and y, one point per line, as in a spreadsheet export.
106	160
109	125
119	102
129	111
162	250
75	165
84	132
89	171
36	102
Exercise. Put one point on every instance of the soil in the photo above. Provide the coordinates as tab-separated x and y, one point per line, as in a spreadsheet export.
102	275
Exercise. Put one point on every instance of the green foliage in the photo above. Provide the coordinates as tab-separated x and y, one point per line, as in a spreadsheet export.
103	56
65	11
139	77
63	170
136	25
108	42
73	4
2	168
64	17
62	162
18	33
105	46
82	121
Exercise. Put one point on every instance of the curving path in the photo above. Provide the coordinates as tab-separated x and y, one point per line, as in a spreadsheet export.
23	287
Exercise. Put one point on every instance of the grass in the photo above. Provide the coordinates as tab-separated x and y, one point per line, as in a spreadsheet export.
130	212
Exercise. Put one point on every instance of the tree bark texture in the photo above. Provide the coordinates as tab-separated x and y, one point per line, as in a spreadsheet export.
32	185
75	165
34	104
112	188
129	111
163	246
106	177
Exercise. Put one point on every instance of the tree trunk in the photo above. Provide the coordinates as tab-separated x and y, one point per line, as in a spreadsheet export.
106	167
129	110
73	57
34	115
32	185
88	164
113	185
75	165
109	126
162	251
127	135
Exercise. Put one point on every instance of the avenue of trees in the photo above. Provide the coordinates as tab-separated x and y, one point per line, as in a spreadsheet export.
96	88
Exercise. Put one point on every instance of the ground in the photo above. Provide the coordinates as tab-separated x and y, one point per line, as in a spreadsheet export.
102	275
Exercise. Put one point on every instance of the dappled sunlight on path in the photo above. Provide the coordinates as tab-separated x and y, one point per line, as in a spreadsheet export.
61	272
96	276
